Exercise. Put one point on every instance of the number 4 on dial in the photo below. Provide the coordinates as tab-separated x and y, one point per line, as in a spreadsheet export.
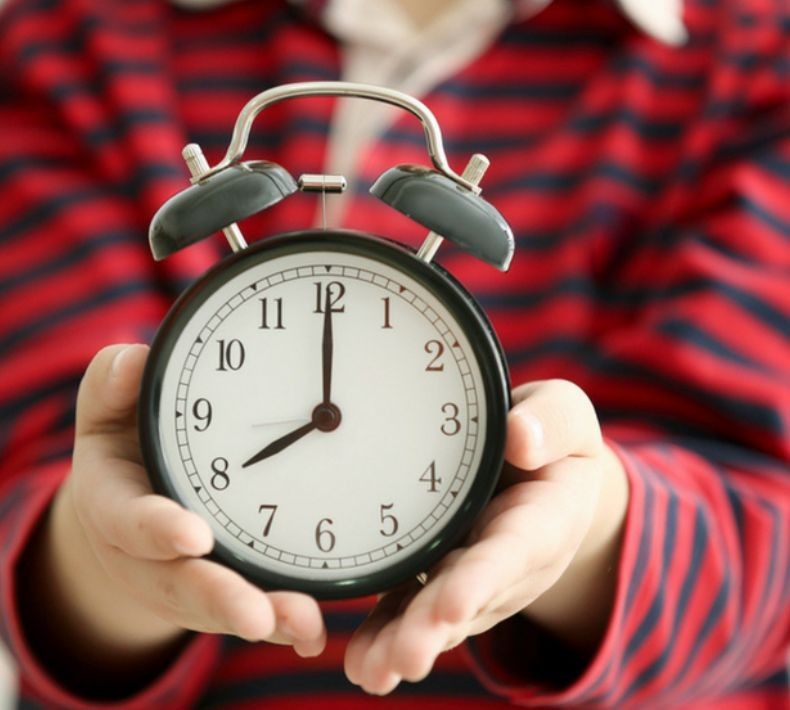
429	477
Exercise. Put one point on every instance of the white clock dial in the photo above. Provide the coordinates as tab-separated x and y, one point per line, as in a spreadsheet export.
362	492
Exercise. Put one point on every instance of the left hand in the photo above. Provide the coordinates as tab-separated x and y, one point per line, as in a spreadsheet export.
524	542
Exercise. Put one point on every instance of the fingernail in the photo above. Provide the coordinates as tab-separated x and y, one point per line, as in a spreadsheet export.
183	549
307	649
194	537
391	682
534	429
288	633
115	368
188	548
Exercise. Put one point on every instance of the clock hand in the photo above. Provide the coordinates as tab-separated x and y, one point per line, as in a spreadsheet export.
283	442
325	417
326	350
278	422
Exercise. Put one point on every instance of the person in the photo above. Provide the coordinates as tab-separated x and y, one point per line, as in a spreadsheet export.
636	553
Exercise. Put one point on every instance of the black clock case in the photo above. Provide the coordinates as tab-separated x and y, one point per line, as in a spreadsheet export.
458	301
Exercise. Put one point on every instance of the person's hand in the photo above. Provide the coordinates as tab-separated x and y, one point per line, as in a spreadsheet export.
126	563
544	531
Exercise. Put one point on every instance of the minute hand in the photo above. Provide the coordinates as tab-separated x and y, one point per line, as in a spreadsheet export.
326	351
279	444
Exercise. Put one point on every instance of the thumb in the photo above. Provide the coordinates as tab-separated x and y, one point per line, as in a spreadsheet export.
107	398
551	419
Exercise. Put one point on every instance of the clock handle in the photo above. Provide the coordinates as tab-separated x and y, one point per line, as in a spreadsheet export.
440	199
254	106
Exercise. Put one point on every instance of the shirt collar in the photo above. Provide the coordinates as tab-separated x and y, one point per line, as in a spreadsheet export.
660	19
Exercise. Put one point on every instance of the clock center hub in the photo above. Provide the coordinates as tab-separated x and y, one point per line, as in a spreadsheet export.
326	417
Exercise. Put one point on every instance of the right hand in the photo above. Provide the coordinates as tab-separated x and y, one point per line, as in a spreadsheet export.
129	561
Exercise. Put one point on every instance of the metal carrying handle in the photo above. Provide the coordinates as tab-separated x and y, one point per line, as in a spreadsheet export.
433	135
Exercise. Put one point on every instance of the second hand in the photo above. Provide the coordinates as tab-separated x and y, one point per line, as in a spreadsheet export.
279	422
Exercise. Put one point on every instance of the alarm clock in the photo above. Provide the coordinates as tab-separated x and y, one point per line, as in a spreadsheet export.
331	402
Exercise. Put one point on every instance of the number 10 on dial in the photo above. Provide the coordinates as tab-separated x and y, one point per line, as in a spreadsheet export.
333	406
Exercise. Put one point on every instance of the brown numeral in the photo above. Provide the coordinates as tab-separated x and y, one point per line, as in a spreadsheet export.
386	518
387	323
201	410
231	355
451	425
324	538
429	477
334	292
278	314
272	510
220	480
435	348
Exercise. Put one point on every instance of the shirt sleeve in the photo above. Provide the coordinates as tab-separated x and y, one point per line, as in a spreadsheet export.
691	379
75	275
701	605
23	503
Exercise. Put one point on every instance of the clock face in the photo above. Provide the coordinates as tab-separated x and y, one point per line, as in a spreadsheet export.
328	412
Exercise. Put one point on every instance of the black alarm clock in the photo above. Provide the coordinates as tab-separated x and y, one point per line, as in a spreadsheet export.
331	402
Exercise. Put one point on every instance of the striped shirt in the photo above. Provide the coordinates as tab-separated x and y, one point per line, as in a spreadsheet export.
647	188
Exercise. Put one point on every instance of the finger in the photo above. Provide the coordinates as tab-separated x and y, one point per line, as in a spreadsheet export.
299	623
376	675
455	604
107	397
467	588
529	535
561	488
194	594
116	503
365	636
408	646
550	420
522	550
416	638
482	603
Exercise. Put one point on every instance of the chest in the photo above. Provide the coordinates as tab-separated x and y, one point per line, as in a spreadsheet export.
583	124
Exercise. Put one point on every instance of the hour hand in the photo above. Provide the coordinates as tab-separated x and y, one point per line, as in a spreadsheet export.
282	443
